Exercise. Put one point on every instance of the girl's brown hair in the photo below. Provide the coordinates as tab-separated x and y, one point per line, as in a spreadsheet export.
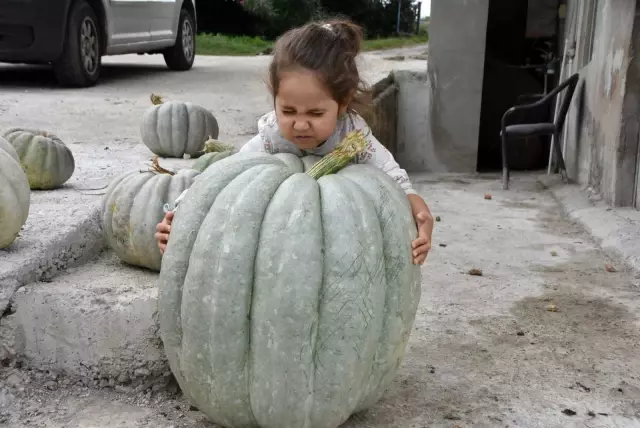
328	48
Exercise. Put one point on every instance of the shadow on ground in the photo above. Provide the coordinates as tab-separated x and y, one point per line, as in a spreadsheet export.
24	76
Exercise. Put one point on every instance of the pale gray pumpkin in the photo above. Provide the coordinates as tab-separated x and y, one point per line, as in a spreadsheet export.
286	301
46	159
15	197
173	129
133	206
7	147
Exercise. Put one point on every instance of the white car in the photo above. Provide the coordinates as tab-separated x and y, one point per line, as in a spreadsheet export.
73	35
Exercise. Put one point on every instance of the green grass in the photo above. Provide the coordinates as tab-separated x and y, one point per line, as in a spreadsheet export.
216	44
394	42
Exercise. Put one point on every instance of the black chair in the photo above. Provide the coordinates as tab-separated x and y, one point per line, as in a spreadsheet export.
527	130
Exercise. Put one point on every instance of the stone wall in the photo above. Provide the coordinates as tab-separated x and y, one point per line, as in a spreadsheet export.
603	125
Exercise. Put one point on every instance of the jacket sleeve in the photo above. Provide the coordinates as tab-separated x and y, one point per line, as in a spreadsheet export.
256	144
377	155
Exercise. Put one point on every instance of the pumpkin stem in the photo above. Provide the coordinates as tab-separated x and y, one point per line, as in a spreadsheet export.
157	169
156	99
351	146
214	146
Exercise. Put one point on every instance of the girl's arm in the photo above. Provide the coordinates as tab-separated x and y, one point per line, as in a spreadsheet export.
378	155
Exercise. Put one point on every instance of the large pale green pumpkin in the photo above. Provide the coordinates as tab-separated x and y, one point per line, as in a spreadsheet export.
46	159
15	196
133	206
173	129
287	301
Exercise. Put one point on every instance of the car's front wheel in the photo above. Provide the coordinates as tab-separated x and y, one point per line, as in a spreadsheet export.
181	55
80	62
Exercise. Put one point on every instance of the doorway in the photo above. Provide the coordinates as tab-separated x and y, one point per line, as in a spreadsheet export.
521	48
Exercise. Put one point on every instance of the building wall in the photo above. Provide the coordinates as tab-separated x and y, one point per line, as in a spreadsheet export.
603	124
454	86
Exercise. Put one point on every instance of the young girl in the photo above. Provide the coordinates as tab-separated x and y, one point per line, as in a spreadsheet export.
315	84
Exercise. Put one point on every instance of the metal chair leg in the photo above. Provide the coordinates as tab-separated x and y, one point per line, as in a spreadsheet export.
505	162
562	169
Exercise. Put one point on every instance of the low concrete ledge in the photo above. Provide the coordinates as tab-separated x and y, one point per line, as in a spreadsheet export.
63	230
96	323
617	230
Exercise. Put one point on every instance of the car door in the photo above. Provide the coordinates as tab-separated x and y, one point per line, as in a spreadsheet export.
164	19
130	21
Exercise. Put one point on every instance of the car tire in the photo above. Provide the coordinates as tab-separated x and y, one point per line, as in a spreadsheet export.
180	56
80	62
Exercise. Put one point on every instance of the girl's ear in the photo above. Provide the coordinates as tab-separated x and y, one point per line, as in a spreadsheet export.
344	106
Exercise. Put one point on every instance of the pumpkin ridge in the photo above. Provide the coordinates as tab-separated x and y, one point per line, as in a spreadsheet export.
7	147
152	134
278	294
352	295
179	114
13	194
207	294
19	194
391	204
175	269
120	219
10	182
192	114
155	188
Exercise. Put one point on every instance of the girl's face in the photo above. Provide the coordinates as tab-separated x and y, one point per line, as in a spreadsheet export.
307	114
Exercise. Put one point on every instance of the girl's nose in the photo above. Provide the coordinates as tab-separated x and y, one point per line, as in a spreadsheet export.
300	125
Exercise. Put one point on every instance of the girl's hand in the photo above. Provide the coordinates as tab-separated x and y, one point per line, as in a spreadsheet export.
422	244
163	229
424	221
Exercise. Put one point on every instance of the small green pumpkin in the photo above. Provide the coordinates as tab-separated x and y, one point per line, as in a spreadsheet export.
286	300
46	159
133	206
15	196
173	129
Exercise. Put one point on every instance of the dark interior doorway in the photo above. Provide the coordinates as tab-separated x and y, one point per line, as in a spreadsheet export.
522	36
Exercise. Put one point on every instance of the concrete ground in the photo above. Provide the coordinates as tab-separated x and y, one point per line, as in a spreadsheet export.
524	320
547	336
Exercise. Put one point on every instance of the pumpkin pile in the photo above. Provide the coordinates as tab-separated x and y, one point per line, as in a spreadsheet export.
135	201
288	289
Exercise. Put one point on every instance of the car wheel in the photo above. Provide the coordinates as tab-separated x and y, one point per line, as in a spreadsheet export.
181	55
80	62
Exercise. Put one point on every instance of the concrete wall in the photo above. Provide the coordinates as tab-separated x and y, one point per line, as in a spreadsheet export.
604	121
454	85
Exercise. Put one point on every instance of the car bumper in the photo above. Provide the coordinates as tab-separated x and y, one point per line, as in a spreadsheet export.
32	30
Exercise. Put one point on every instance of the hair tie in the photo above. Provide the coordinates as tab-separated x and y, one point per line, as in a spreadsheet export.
328	27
